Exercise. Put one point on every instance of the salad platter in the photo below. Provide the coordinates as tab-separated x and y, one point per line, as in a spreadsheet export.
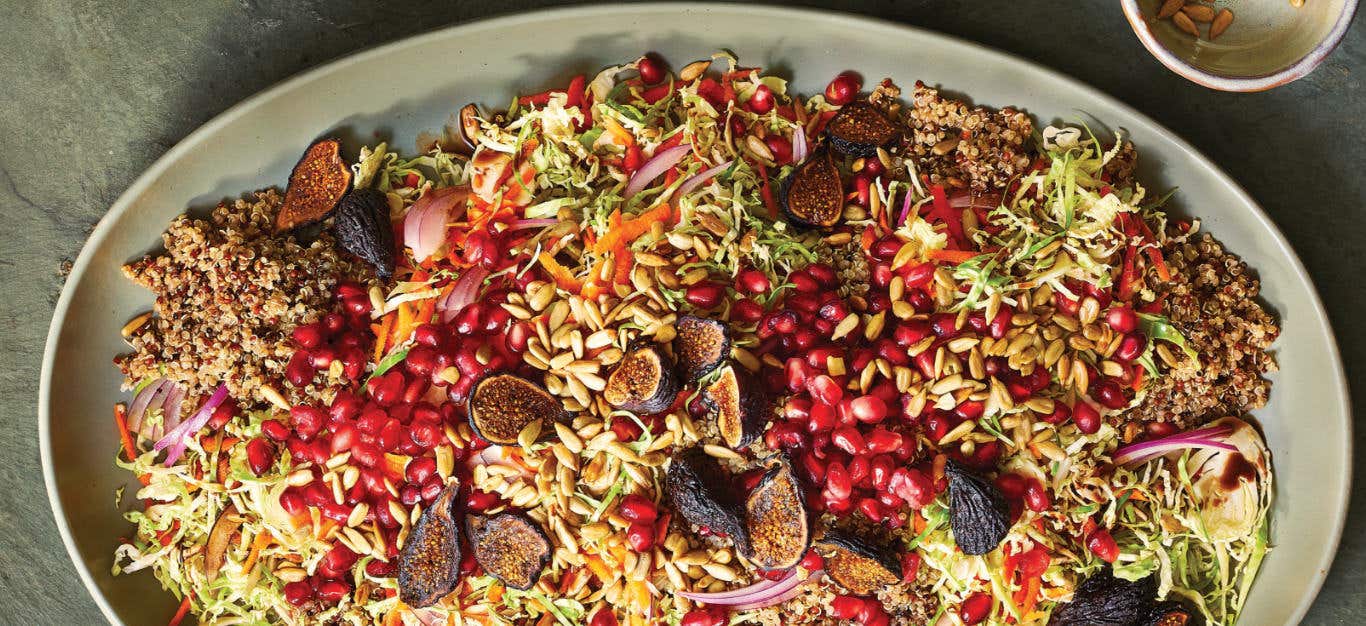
636	325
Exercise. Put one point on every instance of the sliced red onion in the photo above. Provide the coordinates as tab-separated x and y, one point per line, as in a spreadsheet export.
140	403
533	223
158	400
759	595
464	292
179	437
652	169
1147	450
171	407
424	228
701	178
905	209
799	148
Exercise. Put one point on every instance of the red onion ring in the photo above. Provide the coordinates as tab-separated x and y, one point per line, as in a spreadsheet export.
701	178
799	148
179	437
464	292
1146	450
533	223
761	591
140	403
652	169
424	228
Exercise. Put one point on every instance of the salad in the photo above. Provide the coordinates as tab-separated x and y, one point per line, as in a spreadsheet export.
689	348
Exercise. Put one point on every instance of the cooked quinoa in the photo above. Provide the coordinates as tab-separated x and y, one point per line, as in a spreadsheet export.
228	292
1212	299
965	146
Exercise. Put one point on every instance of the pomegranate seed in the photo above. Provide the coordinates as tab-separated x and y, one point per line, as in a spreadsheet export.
1160	429
780	146
871	509
421	360
641	536
910	566
704	295
420	469
275	429
747	311
911	485
1059	415
1001	323
843	88
881	440
339	559
353	363
300	371
335	512
1131	347
803	282
885	249
910	332
638	508
1109	394
847	607
1034	562
298	593
837	484
380	569
869	410
651	69
604	617
784	322
426	433
715	616
752	281
260	455
825	390
849	439
293	503
432	489
429	335
944	325
332	591
307	420
1103	545
345	407
822	418
387	390
1036	496
1122	319
975	608
366	454
761	101
343	437
308	335
1086	417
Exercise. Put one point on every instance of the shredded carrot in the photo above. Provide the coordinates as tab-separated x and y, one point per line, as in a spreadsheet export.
866	240
546	620
130	450
403	325
620	135
561	274
395	616
382	335
495	593
180	612
257	545
598	567
952	256
1031	595
1138	379
425	312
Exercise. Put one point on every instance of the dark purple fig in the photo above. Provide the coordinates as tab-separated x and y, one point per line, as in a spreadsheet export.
1171	613
510	547
740	406
701	345
978	513
701	491
1103	600
859	129
775	513
363	229
857	565
501	405
429	564
813	194
643	382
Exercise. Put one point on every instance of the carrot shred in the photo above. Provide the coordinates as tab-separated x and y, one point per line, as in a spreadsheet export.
597	567
494	594
866	239
403	325
546	620
952	256
382	335
559	273
619	134
257	545
130	450
180	612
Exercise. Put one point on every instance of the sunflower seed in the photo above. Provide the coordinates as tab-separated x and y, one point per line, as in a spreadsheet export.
694	70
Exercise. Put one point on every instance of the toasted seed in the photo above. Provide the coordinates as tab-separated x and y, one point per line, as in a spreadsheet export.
839	239
958	432
357	514
1222	20
529	434
134	324
1185	23
291	574
904	255
1169	8
299	478
1050	450
758	148
693	70
273	396
720	452
944	147
569	438
846	326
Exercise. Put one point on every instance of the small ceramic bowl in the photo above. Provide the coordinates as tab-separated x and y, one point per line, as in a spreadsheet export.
1269	42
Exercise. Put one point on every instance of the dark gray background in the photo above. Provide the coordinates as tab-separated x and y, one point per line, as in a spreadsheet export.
91	92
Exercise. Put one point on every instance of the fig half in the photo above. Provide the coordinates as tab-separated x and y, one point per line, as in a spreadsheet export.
510	547
643	382
318	182
813	194
859	129
1171	613
701	346
429	564
978	513
1103	600
858	566
699	490
740	407
775	513
501	405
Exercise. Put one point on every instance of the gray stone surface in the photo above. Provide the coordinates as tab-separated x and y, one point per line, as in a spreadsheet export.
95	90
